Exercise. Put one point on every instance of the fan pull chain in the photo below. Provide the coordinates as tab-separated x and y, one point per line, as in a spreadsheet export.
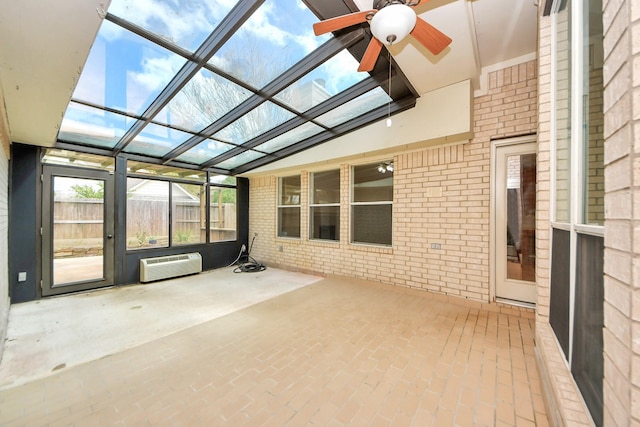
389	122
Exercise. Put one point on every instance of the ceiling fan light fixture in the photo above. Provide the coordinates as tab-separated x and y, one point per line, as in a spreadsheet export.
393	23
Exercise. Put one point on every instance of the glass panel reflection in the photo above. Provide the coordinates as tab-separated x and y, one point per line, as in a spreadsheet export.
204	151
141	168
78	230
188	220
156	140
289	138
185	23
124	71
354	108
147	213
55	156
289	206
329	79
593	117
276	36
203	100
222	179
240	159
521	213
92	126
254	123
563	112
222	212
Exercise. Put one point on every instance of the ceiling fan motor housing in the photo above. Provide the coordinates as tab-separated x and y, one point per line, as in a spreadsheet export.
379	4
392	23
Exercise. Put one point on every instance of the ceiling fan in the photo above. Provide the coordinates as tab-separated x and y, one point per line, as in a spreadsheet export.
390	22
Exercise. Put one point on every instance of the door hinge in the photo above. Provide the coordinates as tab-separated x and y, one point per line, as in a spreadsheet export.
41	285
41	177
41	231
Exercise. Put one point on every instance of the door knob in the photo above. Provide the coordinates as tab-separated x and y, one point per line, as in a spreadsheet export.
109	236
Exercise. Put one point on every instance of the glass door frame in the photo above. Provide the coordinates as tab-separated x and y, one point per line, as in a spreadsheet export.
497	231
49	173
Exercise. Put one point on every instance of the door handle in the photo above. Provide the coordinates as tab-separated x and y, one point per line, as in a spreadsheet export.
109	236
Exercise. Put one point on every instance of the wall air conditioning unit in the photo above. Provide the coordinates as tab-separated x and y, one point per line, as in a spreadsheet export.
164	267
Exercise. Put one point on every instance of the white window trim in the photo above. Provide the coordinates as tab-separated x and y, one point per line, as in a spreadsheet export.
280	206
352	203
577	183
321	205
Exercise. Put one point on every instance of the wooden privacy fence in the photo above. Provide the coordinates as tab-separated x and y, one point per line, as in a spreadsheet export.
82	219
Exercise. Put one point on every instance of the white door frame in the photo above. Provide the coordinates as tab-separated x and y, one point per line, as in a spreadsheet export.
528	144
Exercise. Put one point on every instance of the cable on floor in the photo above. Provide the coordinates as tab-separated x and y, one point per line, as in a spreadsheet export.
250	265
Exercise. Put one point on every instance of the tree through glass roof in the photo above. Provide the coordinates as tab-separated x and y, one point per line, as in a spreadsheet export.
222	85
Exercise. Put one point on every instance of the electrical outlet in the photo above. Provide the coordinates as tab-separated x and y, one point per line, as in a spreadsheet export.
22	276
436	246
244	248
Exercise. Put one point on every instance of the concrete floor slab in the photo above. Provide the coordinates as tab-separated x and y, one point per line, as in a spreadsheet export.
51	334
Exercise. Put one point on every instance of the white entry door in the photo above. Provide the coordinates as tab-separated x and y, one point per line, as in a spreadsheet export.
515	214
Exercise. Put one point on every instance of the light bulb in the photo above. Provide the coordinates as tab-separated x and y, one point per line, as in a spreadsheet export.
389	122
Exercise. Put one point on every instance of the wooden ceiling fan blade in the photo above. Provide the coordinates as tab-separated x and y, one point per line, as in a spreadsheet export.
430	37
340	22
370	55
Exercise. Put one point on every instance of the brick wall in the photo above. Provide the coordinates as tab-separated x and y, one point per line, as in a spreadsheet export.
622	210
441	197
621	383
564	402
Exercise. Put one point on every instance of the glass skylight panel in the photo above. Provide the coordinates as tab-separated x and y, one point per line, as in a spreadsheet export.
124	71
203	100
54	156
256	122
240	159
222	179
141	168
332	77
204	151
274	38
156	140
92	126
186	23
289	138
354	108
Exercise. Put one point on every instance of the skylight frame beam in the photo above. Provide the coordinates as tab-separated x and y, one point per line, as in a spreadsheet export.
353	92
307	64
223	32
339	130
150	36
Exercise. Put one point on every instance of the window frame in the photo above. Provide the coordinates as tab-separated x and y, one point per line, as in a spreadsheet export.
209	187
280	206
353	204
206	183
312	205
577	224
